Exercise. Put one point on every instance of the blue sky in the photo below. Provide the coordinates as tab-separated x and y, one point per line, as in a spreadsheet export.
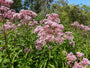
86	2
76	2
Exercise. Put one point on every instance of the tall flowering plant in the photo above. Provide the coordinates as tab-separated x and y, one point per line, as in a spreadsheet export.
77	61
9	16
4	7
51	30
81	26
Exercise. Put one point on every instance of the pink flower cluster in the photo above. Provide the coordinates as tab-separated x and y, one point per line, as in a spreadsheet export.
24	16
28	13
9	14
3	11
27	17
50	47
51	30
71	57
69	36
86	28
78	64
9	26
79	55
6	2
27	50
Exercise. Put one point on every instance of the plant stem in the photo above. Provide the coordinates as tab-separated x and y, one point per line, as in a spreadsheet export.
27	33
5	37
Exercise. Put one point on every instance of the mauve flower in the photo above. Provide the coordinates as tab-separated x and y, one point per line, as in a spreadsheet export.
9	26
6	3
27	18
60	26
49	22
69	37
34	14
49	37
54	25
50	30
71	57
41	41
35	22
68	63
72	43
84	34
50	47
9	14
15	15
1	2
86	28
77	65
9	1
42	21
19	25
80	64
59	39
58	32
79	55
85	62
28	12
18	33
4	9
76	23
32	23
38	28
38	47
53	17
64	52
82	27
27	50
41	33
68	33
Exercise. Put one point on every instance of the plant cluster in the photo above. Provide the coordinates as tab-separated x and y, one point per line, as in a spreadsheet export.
24	41
77	62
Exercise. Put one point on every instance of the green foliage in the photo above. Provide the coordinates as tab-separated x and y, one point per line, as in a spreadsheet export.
45	58
76	14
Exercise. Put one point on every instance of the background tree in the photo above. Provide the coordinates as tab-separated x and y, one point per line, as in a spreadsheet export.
17	5
37	5
77	14
62	2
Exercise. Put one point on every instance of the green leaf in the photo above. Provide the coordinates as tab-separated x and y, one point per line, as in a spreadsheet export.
2	45
52	66
45	63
